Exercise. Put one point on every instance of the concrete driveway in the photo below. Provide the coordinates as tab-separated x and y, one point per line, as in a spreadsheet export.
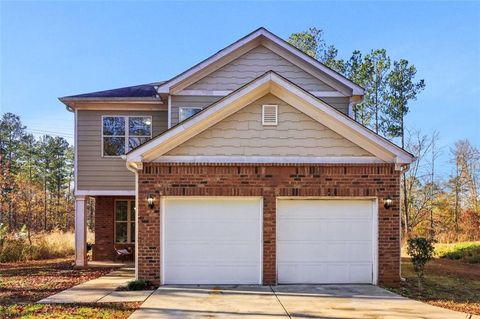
292	301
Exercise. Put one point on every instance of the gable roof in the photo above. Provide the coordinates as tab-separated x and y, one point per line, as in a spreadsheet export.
137	91
271	41
271	82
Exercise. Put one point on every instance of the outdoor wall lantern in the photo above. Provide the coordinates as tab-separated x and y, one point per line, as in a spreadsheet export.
387	202
150	201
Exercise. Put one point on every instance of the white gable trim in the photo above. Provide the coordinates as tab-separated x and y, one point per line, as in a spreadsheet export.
273	83
319	94
270	159
247	43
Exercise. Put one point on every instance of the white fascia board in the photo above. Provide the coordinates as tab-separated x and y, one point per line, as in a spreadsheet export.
357	90
213	111
270	159
165	87
338	117
319	94
286	90
93	192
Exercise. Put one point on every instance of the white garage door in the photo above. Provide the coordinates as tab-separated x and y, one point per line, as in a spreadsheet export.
326	241
212	240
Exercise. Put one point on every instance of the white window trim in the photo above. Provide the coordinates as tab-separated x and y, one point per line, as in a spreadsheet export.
126	136
263	115
186	107
129	221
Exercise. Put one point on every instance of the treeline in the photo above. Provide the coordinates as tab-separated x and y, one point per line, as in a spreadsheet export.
36	179
441	203
389	85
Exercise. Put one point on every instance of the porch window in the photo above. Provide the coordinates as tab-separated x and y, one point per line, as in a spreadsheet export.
125	221
187	111
120	134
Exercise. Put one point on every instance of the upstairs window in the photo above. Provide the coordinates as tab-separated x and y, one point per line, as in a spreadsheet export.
120	134
187	111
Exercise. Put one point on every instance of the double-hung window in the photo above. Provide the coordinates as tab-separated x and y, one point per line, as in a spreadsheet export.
185	112
120	134
125	221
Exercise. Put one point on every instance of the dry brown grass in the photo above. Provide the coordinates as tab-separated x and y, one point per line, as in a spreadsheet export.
449	284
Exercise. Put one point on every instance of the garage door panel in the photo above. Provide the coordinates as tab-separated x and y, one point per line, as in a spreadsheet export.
217	229
297	252
348	229
184	252
212	241
341	209
200	274
292	229
325	241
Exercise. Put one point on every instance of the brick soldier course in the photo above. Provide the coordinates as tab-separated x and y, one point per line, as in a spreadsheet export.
269	181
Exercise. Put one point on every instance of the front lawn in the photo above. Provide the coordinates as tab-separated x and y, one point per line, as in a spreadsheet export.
449	284
24	283
69	311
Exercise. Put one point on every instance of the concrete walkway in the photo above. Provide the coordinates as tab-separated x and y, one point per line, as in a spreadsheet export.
292	301
101	290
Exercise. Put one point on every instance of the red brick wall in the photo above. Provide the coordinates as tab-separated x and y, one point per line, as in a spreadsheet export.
269	181
103	250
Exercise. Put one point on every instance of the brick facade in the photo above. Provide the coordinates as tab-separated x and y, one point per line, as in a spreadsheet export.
269	181
103	250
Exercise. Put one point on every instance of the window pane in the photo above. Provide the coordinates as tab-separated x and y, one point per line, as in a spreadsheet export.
186	112
132	232
121	210
113	146
136	141
113	125
139	126
132	211
121	232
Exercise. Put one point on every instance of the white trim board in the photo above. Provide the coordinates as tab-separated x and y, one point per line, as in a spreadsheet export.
319	94
264	37
269	159
92	192
271	82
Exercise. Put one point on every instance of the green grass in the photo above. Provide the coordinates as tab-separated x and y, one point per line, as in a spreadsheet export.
68	311
464	251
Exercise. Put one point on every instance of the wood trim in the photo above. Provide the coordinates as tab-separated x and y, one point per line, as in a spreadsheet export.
225	55
269	159
227	92
290	93
92	192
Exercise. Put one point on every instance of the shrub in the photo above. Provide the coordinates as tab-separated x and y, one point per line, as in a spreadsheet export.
138	284
466	251
421	250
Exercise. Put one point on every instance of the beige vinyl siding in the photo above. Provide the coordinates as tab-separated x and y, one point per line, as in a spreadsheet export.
106	173
253	64
339	103
189	101
242	134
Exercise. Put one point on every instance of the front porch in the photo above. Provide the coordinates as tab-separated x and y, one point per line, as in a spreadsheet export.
113	221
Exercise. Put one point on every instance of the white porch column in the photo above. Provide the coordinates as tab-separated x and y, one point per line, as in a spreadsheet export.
80	231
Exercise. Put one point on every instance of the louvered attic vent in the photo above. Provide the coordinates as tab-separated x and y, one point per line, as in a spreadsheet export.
269	114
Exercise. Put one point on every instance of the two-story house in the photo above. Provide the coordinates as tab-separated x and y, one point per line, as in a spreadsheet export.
245	169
